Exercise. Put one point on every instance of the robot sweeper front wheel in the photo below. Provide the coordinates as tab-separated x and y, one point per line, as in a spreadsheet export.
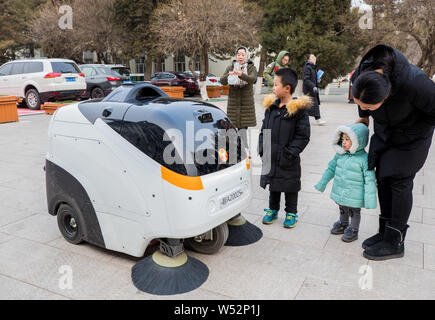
70	224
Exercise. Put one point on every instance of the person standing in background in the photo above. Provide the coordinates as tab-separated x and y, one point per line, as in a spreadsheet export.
310	88
282	61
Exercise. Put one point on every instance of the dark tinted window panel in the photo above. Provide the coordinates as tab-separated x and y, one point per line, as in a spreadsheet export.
65	67
213	132
152	140
33	67
122	71
105	71
94	110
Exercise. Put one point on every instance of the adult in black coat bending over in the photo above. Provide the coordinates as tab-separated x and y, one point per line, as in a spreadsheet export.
400	98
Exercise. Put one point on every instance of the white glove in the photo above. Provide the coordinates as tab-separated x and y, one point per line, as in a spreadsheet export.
315	89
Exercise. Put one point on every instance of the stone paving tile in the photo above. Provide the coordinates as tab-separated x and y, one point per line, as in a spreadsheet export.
11	289
4	237
28	183
321	289
39	265
353	248
10	215
404	282
243	279
31	201
40	227
310	235
421	233
338	266
429	216
429	257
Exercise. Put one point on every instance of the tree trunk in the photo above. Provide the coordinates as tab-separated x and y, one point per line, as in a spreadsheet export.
148	68
203	74
192	65
263	59
157	60
32	50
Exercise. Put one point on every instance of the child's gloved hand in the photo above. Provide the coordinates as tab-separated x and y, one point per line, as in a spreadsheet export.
320	187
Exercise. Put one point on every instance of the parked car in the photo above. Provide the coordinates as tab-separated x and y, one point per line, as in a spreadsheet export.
41	80
178	79
98	84
112	76
211	79
121	71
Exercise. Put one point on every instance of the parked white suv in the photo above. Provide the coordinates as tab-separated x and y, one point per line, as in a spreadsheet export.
41	80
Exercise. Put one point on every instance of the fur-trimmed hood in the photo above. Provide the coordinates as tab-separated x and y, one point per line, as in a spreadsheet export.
294	106
358	134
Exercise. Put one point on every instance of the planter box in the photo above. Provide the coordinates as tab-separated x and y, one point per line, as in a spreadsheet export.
174	92
214	91
225	89
8	109
50	107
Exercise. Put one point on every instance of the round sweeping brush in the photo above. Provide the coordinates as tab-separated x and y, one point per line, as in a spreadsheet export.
162	275
242	232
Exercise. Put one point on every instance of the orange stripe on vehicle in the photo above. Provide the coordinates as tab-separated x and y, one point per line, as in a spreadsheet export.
248	165
181	181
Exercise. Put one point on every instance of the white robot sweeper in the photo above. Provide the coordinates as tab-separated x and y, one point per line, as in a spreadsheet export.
139	166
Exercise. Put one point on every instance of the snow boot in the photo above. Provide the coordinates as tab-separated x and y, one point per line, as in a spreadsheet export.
390	247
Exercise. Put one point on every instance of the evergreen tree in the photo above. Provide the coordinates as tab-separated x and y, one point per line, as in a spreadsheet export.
311	26
14	30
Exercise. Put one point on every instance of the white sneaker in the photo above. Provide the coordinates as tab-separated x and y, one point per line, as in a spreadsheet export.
321	122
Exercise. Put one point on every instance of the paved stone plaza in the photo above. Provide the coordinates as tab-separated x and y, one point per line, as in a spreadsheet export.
302	263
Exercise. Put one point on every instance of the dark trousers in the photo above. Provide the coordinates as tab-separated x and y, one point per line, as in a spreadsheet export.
395	199
291	201
353	213
314	111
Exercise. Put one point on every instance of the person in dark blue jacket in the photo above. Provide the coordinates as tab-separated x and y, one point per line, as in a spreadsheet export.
400	98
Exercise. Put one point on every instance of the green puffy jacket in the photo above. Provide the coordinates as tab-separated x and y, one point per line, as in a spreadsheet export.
269	72
354	185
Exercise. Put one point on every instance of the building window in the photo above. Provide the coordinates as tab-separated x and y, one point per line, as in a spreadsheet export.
162	64
140	64
180	63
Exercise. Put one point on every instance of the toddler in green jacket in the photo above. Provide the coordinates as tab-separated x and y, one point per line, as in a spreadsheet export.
354	185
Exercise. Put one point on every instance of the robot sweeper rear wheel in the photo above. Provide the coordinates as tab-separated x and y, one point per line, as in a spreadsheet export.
210	242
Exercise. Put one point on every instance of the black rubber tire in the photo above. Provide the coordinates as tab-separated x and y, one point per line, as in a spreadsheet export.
97	93
33	96
220	237
72	234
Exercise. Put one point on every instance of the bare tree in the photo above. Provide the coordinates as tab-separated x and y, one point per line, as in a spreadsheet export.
92	30
203	27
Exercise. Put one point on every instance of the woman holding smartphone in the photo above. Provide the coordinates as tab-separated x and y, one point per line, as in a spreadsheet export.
241	76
